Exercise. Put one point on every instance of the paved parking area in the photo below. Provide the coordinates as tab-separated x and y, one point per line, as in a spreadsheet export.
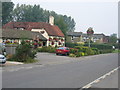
51	58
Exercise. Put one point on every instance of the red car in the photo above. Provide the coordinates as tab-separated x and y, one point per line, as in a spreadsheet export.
63	51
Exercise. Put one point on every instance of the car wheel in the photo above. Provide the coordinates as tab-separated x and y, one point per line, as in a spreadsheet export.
3	62
57	54
67	54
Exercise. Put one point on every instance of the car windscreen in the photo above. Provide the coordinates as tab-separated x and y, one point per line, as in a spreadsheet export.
61	48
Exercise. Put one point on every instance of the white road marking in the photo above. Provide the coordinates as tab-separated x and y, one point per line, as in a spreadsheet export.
99	79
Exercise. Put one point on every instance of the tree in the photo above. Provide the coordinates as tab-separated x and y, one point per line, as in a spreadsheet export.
70	23
7	8
113	38
61	24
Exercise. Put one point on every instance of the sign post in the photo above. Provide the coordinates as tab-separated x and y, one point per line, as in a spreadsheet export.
90	32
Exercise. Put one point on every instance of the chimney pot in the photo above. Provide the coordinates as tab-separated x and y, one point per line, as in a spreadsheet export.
51	20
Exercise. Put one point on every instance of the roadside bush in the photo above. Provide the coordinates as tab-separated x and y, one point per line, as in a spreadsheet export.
84	49
96	51
52	50
47	49
72	45
42	49
117	45
100	46
72	55
106	51
79	54
73	50
85	54
24	53
89	51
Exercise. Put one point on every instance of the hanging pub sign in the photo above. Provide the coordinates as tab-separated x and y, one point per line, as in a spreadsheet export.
90	31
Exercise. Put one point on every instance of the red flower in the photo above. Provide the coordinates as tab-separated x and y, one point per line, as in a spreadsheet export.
27	41
62	40
34	43
50	39
52	43
59	43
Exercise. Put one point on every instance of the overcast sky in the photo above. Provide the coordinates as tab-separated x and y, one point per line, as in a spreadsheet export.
102	15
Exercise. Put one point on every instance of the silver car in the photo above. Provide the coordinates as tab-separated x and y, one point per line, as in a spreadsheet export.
2	59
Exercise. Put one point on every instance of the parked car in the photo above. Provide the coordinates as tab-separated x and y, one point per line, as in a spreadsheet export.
63	51
2	59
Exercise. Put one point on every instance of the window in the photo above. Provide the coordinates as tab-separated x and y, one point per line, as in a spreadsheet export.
72	38
42	32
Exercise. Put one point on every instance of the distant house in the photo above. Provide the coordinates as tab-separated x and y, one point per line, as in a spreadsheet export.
16	36
51	32
79	37
74	37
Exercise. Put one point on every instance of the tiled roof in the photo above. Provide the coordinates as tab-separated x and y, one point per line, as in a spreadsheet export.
74	33
77	34
94	35
19	34
52	30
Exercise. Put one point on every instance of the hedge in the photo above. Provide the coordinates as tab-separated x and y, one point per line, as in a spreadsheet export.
84	49
72	45
100	46
47	49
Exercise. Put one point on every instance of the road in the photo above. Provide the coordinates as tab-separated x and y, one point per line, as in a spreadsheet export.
75	74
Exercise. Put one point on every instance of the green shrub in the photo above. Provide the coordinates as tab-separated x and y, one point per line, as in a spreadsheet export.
73	50
79	54
96	51
24	53
100	46
106	51
89	51
47	49
84	49
52	50
85	54
72	45
72	55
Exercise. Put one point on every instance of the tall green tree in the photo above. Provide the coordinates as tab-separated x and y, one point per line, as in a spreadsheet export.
7	8
70	23
113	38
61	24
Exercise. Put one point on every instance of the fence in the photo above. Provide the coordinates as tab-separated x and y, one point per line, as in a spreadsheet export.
10	48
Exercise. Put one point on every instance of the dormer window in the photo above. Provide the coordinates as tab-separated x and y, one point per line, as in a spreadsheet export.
42	32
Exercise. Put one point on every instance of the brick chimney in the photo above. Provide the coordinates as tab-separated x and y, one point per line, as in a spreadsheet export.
51	20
